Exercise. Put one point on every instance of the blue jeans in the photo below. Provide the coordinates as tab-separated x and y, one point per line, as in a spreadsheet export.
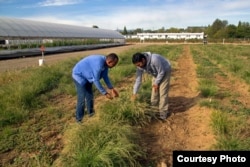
84	96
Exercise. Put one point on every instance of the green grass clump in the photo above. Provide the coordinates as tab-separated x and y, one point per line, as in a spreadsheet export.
232	132
125	110
102	143
207	88
20	98
220	122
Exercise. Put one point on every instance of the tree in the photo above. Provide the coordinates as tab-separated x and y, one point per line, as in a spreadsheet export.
217	30
243	30
195	29
161	30
231	31
94	26
173	30
138	30
125	32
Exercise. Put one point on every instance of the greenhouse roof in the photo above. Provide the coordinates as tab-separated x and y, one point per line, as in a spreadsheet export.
19	28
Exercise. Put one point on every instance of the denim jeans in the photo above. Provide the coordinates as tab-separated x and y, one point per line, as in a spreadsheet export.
84	97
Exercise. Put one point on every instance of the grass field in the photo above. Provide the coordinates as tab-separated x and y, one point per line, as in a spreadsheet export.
38	103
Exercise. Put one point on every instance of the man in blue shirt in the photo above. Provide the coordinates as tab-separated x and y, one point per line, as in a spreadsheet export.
160	68
88	71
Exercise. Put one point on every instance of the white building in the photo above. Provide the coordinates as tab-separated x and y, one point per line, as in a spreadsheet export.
185	36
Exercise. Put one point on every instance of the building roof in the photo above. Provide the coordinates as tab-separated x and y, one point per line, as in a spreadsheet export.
20	28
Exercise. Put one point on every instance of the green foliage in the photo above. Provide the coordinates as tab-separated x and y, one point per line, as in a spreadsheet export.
27	94
223	60
7	134
25	139
221	29
207	88
246	76
171	52
212	58
201	72
121	71
229	143
220	123
232	132
106	143
19	98
235	67
124	110
24	95
210	104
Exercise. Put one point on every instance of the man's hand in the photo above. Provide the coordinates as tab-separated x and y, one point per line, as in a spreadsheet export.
109	96
114	93
155	87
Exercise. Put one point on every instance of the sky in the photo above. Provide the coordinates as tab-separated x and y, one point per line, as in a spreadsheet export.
132	14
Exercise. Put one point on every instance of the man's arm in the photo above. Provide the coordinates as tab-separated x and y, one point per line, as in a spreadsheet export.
138	80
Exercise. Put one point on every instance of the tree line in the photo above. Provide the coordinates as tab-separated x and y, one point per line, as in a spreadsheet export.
219	29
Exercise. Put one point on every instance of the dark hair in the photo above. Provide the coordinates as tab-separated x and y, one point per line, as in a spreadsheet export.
137	57
113	57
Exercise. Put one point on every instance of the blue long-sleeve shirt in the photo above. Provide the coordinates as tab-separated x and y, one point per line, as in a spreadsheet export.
156	66
92	69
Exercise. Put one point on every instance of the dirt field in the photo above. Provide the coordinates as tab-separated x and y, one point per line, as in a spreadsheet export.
186	129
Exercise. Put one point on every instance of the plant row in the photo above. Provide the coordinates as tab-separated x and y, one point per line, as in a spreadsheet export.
230	116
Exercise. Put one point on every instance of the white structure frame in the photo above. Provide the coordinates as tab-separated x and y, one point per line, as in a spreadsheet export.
143	36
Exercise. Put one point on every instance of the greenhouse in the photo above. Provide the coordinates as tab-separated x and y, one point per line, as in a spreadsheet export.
20	34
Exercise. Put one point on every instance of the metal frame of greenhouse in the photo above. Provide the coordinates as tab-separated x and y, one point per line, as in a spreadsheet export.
17	35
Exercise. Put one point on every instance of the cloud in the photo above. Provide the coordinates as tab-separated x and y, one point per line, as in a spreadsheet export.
53	19
58	2
235	5
155	16
152	17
